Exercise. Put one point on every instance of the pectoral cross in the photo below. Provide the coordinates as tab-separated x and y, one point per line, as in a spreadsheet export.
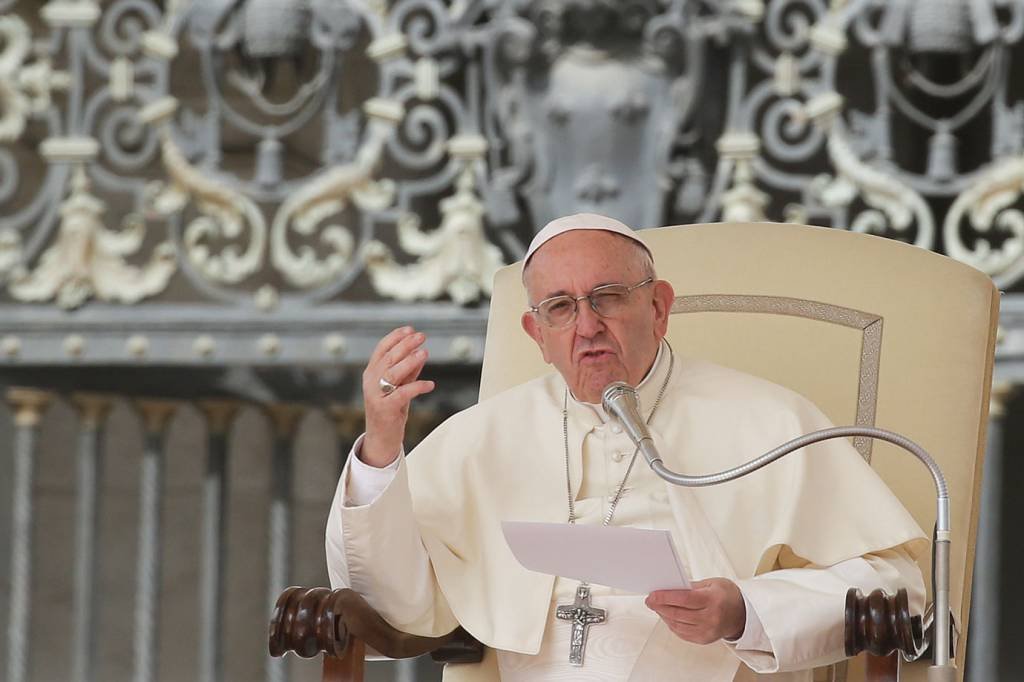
582	615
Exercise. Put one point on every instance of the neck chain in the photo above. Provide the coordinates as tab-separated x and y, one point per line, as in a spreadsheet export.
629	469
580	613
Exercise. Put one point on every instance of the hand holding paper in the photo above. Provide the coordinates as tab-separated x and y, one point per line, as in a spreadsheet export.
632	559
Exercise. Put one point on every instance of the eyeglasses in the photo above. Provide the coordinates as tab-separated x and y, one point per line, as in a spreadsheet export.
608	300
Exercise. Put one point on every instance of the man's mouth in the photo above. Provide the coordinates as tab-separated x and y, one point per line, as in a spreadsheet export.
595	354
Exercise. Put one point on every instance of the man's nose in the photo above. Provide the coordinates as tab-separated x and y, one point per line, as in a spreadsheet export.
588	323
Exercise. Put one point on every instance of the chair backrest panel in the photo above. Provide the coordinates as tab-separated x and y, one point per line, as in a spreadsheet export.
845	351
872	330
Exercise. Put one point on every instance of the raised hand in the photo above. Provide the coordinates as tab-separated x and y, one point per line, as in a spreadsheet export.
712	610
390	382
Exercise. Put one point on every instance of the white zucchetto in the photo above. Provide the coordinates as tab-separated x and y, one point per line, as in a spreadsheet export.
581	221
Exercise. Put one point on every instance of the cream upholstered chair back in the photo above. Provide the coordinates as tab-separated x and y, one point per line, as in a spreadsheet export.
875	332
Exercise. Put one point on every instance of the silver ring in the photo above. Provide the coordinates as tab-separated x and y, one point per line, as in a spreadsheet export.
386	387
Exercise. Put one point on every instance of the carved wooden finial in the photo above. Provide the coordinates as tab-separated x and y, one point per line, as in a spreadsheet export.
305	623
308	621
881	624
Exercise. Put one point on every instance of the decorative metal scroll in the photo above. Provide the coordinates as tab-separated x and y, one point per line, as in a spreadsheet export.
242	158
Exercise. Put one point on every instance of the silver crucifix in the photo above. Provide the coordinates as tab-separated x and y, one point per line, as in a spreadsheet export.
582	615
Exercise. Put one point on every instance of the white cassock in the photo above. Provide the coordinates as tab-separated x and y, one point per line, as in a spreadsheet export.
422	540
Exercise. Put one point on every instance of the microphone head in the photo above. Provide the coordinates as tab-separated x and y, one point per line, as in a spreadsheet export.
614	393
619	400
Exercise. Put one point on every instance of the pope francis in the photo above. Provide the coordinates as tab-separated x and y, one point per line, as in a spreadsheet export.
773	554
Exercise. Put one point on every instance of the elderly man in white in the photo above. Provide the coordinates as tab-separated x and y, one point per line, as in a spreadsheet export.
773	553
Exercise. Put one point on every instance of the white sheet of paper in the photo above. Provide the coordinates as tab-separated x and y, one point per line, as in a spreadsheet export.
632	559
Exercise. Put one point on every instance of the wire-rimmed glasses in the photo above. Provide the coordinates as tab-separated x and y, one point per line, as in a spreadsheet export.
608	300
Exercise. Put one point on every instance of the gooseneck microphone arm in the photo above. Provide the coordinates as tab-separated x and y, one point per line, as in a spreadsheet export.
619	399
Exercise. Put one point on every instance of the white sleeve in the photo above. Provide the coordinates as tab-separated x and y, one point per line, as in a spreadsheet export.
753	637
795	616
376	550
366	482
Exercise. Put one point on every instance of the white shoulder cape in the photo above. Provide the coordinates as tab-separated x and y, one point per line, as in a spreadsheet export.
502	460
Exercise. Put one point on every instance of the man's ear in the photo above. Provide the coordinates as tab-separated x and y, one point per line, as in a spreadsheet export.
664	297
532	327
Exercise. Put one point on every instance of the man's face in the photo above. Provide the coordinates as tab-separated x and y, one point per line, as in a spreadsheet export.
594	351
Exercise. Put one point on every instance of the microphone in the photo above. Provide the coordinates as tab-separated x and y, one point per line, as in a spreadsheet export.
619	400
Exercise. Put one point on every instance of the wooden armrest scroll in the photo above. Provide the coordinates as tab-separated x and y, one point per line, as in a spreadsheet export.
461	648
308	621
881	624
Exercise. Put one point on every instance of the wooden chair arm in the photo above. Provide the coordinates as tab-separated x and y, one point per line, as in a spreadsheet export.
881	624
307	621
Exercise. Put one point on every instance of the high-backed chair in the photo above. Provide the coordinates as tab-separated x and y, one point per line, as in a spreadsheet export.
875	332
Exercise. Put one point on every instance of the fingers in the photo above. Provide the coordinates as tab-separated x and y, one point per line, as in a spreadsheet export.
699	626
399	361
679	618
696	598
409	391
692	633
407	368
388	342
705	584
678	607
398	358
677	614
713	609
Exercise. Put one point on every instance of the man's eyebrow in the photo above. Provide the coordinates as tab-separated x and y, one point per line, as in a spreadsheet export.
563	292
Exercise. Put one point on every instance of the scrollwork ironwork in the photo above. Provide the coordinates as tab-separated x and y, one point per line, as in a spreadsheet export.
87	259
317	149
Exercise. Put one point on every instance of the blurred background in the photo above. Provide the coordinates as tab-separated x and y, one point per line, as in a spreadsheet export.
211	210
